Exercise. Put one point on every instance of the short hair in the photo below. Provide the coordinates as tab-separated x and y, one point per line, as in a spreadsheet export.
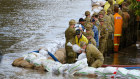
116	10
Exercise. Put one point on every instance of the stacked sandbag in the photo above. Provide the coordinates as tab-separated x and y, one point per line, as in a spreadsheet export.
60	54
133	74
20	62
87	71
122	72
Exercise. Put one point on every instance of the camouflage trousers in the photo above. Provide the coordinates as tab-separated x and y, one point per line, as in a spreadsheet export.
70	55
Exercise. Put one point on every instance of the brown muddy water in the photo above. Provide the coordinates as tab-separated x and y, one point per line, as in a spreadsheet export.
27	25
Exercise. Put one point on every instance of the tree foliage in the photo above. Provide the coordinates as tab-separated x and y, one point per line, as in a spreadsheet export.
135	5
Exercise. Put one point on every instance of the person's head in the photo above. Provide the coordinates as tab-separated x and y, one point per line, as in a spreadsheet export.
83	45
95	15
87	13
88	27
110	1
116	10
82	21
93	21
72	23
78	33
101	14
124	4
109	11
125	9
101	21
89	35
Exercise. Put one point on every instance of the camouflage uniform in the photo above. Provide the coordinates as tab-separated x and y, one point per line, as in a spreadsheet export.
87	19
70	37
126	18
111	31
107	23
94	56
92	40
103	36
111	4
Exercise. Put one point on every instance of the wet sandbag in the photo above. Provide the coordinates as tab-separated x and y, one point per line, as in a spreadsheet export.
77	66
60	54
41	68
16	61
25	64
88	72
99	71
122	71
133	74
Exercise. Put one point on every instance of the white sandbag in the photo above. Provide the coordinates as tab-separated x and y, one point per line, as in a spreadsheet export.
69	44
110	70
63	68
82	56
75	47
99	71
44	53
86	71
56	66
77	66
30	57
122	71
39	61
133	74
48	65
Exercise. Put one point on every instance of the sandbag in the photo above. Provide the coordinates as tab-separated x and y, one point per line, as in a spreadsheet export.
99	71
44	52
122	71
41	68
110	70
133	74
86	71
16	61
51	65
26	64
60	54
77	66
75	47
82	56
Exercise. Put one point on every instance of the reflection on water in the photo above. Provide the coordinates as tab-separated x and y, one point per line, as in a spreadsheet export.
127	56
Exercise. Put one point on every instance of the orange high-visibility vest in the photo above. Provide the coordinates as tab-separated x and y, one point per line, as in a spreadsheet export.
118	21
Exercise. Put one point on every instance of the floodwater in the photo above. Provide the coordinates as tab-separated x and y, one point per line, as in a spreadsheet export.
27	25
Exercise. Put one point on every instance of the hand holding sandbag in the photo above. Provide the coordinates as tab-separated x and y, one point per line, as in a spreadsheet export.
75	47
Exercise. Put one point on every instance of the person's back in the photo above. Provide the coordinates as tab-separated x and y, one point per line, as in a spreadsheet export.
126	17
94	56
117	24
118	21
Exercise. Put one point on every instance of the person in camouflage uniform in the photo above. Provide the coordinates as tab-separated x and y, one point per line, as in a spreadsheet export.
103	36
94	56
70	37
87	14
111	31
90	36
97	23
107	23
111	4
126	18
